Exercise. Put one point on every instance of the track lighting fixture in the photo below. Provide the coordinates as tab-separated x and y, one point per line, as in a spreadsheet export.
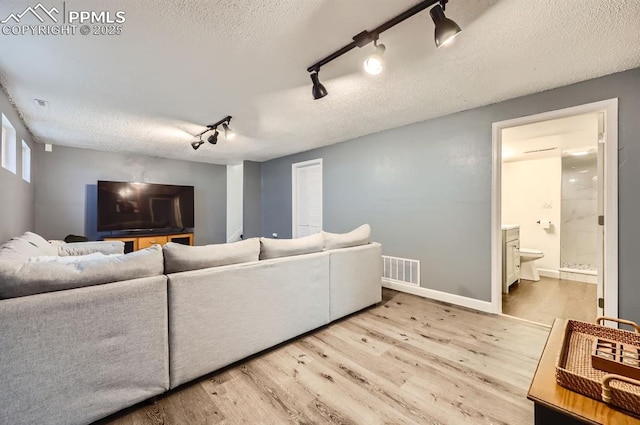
195	145
318	89
374	63
228	133
445	31
213	138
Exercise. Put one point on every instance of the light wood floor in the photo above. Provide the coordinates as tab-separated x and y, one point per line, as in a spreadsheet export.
406	361
549	298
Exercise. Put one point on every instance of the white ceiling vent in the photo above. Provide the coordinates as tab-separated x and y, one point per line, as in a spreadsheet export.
401	270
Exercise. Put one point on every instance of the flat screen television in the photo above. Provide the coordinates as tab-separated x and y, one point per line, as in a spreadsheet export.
144	206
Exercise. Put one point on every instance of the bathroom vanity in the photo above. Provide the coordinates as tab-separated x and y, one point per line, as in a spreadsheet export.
510	256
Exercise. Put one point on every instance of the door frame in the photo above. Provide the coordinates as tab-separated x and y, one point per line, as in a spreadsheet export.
610	108
294	192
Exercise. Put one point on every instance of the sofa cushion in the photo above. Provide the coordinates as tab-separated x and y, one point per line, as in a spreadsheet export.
40	242
35	276
19	250
68	259
84	248
182	258
358	236
274	248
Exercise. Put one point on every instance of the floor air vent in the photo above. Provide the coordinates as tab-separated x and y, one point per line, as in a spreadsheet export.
401	270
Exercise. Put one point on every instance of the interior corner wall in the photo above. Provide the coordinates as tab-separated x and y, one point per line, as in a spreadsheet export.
66	190
17	197
426	188
252	199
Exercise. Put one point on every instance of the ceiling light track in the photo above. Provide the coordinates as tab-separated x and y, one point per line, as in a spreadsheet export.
213	138
445	30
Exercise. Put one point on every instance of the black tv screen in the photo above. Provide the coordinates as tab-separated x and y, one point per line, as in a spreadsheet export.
144	206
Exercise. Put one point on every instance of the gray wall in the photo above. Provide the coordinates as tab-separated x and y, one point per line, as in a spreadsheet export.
426	188
17	197
252	201
66	189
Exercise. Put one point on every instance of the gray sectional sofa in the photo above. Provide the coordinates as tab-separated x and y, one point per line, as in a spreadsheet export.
73	355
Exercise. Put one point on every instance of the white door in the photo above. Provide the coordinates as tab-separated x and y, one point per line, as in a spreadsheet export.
601	177
306	179
235	179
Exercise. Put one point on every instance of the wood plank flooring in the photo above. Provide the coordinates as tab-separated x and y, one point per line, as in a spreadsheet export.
408	360
549	298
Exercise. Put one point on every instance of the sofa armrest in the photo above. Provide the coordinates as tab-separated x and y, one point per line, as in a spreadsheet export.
84	248
355	278
72	357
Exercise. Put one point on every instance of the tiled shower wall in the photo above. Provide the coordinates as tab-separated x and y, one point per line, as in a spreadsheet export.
578	239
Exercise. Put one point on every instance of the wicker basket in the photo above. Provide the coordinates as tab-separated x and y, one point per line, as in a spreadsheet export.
574	370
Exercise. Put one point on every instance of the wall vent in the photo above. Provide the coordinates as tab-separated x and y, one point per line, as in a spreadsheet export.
401	270
541	150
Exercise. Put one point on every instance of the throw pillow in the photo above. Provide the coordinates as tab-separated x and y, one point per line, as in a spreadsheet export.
40	242
181	258
19	250
275	248
358	236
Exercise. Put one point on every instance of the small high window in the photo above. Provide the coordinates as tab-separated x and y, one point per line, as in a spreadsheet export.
8	145
26	162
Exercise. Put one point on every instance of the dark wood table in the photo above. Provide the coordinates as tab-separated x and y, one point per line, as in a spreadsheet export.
557	405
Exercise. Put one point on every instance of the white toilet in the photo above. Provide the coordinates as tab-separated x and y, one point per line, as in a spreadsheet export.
528	269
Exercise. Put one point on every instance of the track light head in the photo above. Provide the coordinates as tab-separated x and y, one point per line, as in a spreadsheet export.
213	139
318	90
446	29
228	133
195	145
374	63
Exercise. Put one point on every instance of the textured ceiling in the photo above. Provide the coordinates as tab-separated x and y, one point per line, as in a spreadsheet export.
181	64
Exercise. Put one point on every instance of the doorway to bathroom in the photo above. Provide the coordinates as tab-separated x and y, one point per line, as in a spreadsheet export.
554	214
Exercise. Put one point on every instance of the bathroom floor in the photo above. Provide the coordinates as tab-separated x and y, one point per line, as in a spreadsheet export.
551	298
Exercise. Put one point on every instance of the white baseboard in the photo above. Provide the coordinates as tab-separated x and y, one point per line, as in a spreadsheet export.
484	306
579	277
566	275
549	273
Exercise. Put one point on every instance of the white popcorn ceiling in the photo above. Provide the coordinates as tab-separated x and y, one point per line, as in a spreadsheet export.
182	64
